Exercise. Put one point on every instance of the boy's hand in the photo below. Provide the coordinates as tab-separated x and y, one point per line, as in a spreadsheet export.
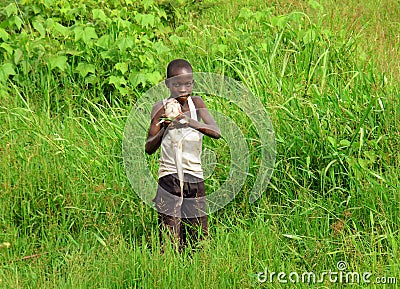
181	121
164	121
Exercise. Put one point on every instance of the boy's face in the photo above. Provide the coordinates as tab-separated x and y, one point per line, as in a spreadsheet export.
180	84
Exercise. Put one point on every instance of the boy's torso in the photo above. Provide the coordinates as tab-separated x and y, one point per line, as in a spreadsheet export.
181	149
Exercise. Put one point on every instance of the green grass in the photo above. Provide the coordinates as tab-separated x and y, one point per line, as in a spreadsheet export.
73	221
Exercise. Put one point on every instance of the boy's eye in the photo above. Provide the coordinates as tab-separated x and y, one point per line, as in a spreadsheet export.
187	84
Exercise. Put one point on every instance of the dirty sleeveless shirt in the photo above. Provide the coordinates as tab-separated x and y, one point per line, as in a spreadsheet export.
189	143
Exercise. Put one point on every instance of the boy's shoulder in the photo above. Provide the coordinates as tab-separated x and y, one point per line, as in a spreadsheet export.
198	101
158	105
196	98
158	108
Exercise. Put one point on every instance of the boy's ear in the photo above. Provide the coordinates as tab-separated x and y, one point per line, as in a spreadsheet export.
166	81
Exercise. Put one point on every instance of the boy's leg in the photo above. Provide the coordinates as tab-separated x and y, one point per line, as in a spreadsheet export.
169	210
194	209
197	228
172	226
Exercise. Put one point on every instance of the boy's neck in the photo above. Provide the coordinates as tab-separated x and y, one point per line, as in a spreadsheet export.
182	100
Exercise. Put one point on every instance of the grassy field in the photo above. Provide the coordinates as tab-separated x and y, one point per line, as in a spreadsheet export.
327	74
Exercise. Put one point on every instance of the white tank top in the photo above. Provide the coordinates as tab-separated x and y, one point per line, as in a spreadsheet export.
181	149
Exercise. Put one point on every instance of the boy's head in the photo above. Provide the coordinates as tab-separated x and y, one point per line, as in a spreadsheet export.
179	79
177	67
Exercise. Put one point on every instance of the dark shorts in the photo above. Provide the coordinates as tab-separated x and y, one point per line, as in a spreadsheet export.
169	201
182	216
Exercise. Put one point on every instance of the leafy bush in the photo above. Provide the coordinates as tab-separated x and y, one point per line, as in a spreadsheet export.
113	46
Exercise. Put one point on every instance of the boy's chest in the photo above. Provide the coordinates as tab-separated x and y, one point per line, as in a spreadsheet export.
185	108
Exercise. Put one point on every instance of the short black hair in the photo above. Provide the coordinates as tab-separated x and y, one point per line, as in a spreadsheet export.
177	64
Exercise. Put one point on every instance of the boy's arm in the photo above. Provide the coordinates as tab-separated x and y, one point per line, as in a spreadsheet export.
209	127
156	130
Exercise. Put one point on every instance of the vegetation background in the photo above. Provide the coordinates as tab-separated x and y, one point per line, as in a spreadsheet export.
326	71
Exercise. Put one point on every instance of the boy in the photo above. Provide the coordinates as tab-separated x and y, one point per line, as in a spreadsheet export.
180	198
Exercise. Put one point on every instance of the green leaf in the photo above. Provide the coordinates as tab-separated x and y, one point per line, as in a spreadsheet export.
124	90
175	39
18	55
104	41
3	34
122	66
86	34
162	14
11	9
123	24
39	27
17	21
58	61
221	48
147	3
117	80
60	29
6	70
78	31
71	51
7	48
154	77
279	21
145	20
91	79
109	54
49	23
245	13
90	33
344	143
332	141
147	60
125	43
85	68
137	78
99	14
161	48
